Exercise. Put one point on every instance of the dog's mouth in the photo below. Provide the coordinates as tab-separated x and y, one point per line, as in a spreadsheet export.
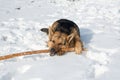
52	52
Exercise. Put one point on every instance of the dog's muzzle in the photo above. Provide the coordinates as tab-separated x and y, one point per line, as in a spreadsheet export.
52	52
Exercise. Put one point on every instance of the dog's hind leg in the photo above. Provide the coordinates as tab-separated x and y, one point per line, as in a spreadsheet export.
46	30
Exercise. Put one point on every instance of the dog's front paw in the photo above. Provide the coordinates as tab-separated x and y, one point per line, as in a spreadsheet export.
60	53
78	50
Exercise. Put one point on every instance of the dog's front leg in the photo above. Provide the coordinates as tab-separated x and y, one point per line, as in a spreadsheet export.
60	53
78	47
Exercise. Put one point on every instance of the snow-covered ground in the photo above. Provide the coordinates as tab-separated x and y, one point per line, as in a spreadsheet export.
99	23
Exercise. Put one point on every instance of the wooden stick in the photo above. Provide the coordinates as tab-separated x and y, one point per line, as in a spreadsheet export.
30	53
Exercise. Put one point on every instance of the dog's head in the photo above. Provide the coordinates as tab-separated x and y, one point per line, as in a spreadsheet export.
58	41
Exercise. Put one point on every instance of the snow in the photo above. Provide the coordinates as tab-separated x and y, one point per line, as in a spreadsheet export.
99	23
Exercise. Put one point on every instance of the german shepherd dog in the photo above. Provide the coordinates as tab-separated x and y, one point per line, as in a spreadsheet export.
63	34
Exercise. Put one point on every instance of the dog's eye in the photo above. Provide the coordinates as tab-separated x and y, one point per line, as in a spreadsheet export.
64	42
60	44
53	41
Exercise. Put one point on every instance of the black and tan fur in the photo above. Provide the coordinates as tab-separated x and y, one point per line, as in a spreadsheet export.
63	34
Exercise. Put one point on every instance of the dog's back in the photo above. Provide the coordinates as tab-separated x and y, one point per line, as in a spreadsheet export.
66	26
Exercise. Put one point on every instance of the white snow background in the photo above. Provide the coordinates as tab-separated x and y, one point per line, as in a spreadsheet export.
99	23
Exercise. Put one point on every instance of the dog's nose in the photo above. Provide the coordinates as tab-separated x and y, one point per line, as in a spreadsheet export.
52	52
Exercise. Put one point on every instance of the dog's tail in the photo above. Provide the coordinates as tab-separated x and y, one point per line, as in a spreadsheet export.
45	30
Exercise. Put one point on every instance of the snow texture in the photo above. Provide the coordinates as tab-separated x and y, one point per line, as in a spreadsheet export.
99	23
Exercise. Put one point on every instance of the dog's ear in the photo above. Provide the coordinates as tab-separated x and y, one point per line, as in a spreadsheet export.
45	30
51	32
70	37
52	29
